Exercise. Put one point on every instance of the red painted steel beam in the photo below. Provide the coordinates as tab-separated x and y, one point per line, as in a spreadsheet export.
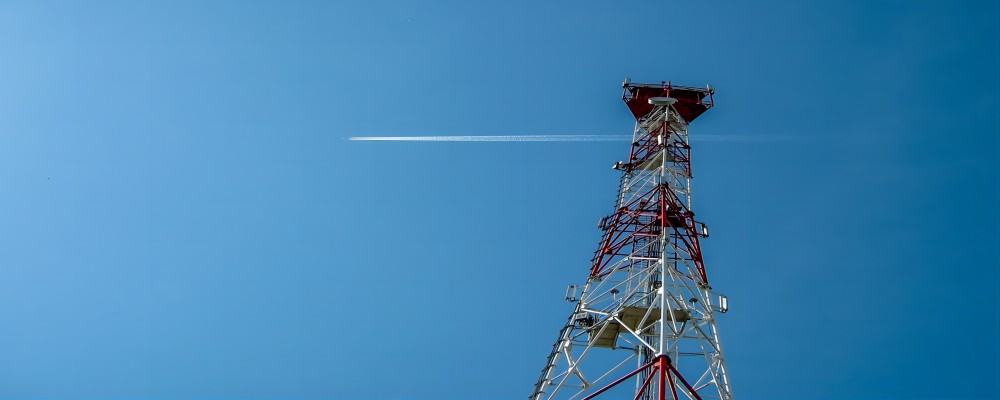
620	380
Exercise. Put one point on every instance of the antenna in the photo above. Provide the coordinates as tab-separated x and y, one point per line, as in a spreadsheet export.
646	312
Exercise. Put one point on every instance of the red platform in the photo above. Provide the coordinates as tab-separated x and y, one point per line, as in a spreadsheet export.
691	102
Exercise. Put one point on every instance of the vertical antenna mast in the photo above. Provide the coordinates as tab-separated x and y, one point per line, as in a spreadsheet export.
647	297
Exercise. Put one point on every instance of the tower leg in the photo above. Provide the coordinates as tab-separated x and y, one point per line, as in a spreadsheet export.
661	366
664	371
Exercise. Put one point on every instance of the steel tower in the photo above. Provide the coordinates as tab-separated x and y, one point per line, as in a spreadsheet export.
646	313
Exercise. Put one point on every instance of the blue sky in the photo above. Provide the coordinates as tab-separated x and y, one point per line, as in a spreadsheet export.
185	219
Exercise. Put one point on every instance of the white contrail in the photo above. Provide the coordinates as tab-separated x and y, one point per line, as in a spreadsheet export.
741	138
557	138
498	138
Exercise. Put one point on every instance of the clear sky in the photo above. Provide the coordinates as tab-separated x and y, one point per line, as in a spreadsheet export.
182	216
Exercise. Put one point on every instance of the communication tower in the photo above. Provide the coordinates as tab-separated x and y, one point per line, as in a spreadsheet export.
646	313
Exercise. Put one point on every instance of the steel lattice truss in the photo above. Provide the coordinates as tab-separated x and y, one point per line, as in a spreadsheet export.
646	313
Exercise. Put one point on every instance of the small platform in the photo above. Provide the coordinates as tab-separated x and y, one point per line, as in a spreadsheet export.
631	316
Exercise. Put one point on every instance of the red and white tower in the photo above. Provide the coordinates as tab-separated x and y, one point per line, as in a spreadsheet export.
644	326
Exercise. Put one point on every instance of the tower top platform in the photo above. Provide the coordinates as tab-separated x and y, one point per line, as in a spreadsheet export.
691	101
